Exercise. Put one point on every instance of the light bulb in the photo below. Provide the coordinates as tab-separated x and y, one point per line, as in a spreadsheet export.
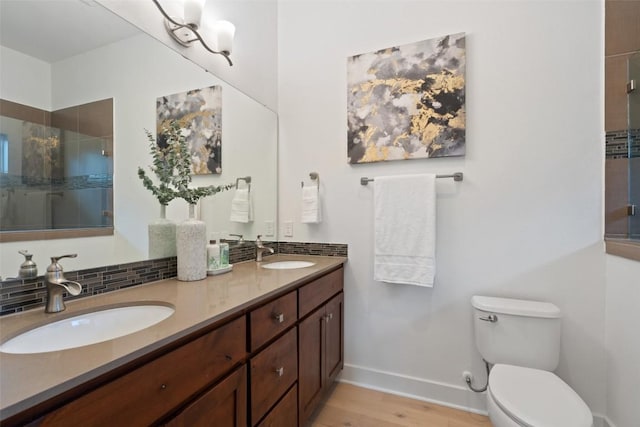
224	31
193	12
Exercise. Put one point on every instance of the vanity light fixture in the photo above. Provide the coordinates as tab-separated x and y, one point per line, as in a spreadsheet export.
184	30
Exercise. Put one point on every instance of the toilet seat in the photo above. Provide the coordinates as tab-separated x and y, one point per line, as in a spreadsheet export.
536	398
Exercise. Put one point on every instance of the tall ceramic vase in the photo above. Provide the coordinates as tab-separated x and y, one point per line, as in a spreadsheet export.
191	242
162	236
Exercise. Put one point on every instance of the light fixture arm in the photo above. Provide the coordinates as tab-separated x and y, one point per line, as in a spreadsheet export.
179	25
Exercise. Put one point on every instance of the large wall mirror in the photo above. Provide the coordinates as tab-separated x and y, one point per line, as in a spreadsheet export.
59	67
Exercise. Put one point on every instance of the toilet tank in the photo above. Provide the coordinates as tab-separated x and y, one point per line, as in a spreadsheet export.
517	332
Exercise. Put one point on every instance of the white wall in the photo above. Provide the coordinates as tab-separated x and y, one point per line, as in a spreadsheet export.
623	345
254	55
526	221
24	79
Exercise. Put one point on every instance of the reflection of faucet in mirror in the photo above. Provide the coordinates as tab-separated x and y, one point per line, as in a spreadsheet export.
57	284
240	240
260	248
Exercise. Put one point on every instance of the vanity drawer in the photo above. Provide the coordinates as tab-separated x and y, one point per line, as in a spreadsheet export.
273	371
225	404
312	296
144	395
269	320
285	413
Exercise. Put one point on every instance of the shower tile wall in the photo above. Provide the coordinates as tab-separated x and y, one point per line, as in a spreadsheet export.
86	138
622	40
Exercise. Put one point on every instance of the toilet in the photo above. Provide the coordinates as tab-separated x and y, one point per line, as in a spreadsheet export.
520	339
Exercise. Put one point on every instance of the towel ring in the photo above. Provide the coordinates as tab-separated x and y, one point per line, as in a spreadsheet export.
315	176
246	179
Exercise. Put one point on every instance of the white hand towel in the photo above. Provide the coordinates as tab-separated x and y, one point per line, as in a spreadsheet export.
405	229
242	206
311	212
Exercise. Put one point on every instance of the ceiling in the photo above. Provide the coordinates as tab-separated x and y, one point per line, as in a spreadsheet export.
28	26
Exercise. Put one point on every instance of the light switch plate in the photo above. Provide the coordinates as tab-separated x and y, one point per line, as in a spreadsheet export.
269	228
288	229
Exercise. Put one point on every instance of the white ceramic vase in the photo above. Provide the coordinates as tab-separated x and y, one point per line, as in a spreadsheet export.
162	236
191	241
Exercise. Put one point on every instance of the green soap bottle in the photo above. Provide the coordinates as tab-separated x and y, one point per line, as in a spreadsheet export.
224	254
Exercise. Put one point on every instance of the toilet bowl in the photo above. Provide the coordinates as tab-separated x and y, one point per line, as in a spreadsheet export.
526	397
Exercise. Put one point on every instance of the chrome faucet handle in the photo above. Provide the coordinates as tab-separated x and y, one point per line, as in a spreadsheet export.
259	240
55	267
54	259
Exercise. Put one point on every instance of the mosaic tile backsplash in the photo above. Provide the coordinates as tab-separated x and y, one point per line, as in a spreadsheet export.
18	295
622	144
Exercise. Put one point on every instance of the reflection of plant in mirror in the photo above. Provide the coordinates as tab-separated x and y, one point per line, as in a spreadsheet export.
172	156
164	163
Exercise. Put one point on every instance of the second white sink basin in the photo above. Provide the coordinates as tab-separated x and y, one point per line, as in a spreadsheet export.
287	265
85	329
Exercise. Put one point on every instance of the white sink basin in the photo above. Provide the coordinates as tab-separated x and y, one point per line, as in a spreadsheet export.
287	265
85	329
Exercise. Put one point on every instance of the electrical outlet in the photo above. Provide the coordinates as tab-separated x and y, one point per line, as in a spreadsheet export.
288	229
269	228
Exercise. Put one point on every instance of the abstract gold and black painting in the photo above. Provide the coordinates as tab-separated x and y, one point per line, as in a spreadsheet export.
407	102
199	114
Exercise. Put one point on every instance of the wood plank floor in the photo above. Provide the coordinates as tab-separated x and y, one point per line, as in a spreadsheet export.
351	406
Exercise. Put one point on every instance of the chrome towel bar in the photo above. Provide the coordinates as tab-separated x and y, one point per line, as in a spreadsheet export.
458	176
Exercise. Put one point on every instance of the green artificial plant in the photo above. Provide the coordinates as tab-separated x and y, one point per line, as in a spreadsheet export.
172	166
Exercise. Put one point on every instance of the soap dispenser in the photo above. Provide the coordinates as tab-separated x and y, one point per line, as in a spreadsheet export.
28	269
213	253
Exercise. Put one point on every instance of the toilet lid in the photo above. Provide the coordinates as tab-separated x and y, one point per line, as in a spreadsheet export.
537	398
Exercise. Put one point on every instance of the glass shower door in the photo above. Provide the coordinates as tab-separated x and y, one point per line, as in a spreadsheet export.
633	99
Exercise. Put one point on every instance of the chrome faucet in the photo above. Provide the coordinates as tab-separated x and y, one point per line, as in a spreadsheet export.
57	284
260	248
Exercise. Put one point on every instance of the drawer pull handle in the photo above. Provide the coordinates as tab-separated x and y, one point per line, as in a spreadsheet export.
328	317
163	386
278	317
229	358
279	371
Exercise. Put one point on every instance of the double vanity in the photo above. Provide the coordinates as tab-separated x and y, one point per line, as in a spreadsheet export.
255	347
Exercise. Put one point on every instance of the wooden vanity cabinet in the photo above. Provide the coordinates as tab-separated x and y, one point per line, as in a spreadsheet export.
150	392
321	350
312	346
271	366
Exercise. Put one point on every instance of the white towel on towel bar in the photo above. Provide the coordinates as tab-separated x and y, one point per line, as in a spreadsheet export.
405	229
242	206
311	211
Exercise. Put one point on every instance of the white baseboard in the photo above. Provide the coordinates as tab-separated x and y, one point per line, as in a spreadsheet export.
451	395
602	421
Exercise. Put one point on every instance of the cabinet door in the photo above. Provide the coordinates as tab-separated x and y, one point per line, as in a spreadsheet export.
225	405
311	373
334	336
